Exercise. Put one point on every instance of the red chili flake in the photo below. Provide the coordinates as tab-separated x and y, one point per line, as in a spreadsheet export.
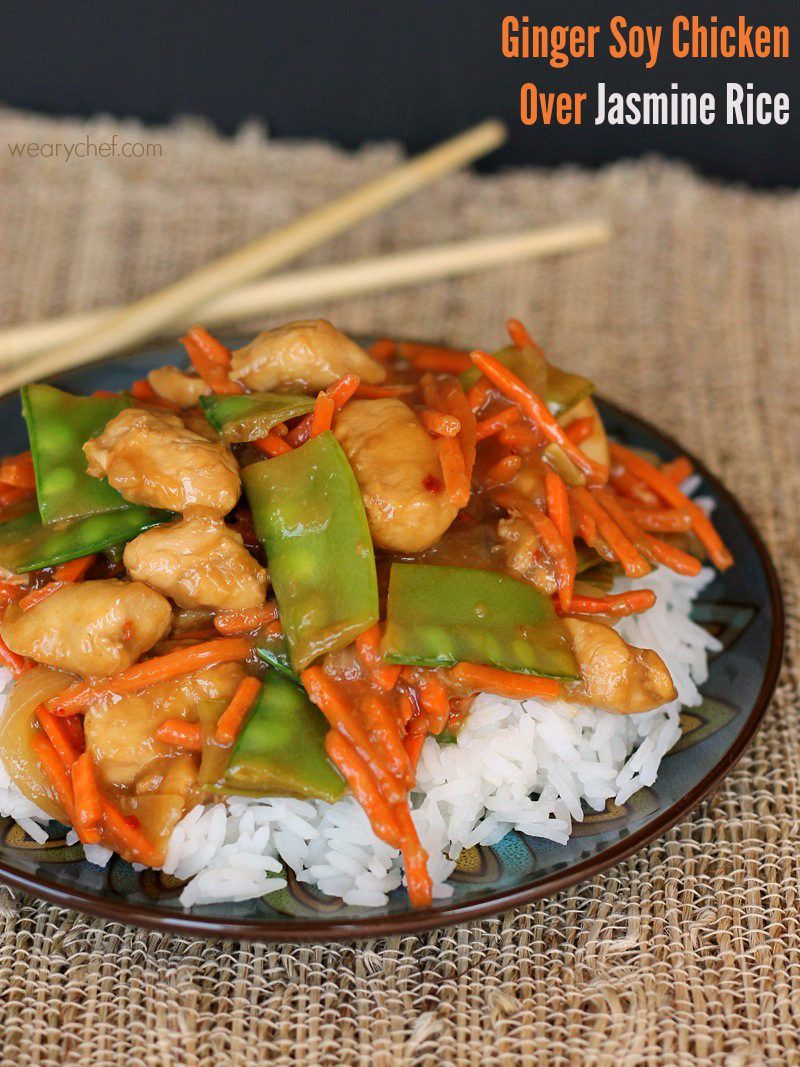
432	484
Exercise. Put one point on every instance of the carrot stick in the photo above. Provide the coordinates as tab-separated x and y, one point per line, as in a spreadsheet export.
434	358
415	859
414	744
633	563
654	550
56	772
520	338
503	472
127	838
232	719
383	727
383	349
521	439
59	735
480	678
211	359
73	724
624	483
73	570
340	392
365	789
322	417
549	535
272	445
150	672
15	663
677	470
659	520
18	471
495	423
434	701
454	472
559	513
437	423
579	430
382	392
36	596
537	411
187	735
384	675
663	487
88	798
245	620
631	603
479	393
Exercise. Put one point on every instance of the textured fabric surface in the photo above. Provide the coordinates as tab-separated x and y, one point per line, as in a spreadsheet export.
687	953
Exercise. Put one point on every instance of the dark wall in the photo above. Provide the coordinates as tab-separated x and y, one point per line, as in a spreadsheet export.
364	69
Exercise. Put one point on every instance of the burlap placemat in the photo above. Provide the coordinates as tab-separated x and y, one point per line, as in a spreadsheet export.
688	952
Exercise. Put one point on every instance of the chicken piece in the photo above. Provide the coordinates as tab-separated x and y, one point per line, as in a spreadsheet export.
523	555
120	731
89	628
177	386
310	354
199	562
596	445
398	471
615	675
152	459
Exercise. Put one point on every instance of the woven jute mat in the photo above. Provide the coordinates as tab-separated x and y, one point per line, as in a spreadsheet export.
688	952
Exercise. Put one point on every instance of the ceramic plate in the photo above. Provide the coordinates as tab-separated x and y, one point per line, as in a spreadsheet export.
742	607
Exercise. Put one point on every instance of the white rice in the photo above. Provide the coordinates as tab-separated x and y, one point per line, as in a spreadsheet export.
525	765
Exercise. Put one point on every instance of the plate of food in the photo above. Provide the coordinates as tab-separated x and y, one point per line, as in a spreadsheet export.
307	638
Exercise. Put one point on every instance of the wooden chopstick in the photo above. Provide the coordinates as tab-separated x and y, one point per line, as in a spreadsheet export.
334	282
144	318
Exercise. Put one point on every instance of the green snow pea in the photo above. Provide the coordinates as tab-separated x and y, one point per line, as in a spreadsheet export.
281	748
440	616
272	649
27	544
248	418
308	512
59	424
560	389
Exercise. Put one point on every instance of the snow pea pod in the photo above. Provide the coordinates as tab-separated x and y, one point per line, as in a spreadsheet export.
59	424
560	389
440	616
281	748
272	649
28	544
308	513
239	418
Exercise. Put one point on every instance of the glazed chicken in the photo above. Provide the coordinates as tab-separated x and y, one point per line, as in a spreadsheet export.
309	354
91	628
398	472
177	386
152	459
523	554
615	675
198	562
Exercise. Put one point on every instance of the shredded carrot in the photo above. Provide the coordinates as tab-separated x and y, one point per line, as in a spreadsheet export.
537	411
624	483
479	393
503	472
104	394
414	744
12	494
654	550
579	430
127	837
520	337
339	393
56	772
383	349
187	735
631	603
434	700
677	470
480	678
60	736
11	591
384	675
73	724
521	439
496	423
322	419
665	488
245	620
559	512
211	359
272	445
143	390
150	672
415	859
453	471
383	727
549	535
88	798
232	719
15	663
18	471
73	570
365	789
633	563
434	358
36	596
659	520
440	424
383	392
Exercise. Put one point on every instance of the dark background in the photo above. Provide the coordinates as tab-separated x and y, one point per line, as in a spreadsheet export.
366	69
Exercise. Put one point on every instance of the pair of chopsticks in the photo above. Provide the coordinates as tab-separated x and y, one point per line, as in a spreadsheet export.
217	294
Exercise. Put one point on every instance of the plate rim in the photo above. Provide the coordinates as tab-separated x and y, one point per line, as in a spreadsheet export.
308	930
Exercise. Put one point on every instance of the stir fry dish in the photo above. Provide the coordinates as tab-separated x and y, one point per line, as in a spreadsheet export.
277	573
